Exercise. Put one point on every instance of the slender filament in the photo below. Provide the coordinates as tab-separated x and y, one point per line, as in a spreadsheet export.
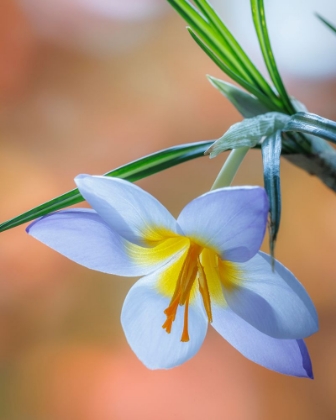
191	271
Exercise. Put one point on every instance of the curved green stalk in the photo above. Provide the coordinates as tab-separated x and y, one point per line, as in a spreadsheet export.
230	168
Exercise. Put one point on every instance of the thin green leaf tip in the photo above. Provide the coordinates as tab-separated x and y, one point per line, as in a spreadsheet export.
326	22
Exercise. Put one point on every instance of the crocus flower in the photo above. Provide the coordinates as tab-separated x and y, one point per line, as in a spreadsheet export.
203	268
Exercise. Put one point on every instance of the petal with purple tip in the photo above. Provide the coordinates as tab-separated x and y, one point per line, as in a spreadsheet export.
266	301
289	357
292	282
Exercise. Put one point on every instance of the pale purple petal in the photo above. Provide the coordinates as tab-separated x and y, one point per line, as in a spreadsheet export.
268	303
289	357
82	236
293	283
126	208
231	220
142	318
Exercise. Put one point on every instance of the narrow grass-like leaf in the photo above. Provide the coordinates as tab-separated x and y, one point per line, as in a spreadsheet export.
298	106
326	22
210	35
271	151
258	13
248	132
233	51
239	55
247	104
207	33
133	171
250	88
304	122
221	64
219	44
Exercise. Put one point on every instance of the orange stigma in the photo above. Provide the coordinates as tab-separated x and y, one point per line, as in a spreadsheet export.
191	271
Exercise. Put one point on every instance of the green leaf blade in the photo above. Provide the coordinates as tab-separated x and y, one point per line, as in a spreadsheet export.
132	172
258	14
206	33
326	22
271	151
248	105
308	123
238	55
234	76
216	40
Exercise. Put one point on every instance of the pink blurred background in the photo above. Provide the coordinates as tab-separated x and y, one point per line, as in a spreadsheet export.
86	86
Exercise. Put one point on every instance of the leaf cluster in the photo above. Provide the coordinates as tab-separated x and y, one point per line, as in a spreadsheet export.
274	122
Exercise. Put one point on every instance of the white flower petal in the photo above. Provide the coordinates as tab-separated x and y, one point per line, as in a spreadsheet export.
126	208
293	283
268	303
142	318
230	220
82	236
289	357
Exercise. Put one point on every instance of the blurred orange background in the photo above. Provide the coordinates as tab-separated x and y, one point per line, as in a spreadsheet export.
84	90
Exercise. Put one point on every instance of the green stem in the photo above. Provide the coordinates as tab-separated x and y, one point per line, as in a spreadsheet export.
230	168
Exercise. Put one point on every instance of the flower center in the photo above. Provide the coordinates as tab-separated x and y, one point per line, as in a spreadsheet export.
196	269
191	271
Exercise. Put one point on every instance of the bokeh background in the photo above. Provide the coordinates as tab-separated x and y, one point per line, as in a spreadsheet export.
88	85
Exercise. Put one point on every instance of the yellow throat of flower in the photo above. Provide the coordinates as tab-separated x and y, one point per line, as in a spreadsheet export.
198	269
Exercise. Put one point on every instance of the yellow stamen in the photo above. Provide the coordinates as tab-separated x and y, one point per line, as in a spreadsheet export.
182	290
184	284
195	266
